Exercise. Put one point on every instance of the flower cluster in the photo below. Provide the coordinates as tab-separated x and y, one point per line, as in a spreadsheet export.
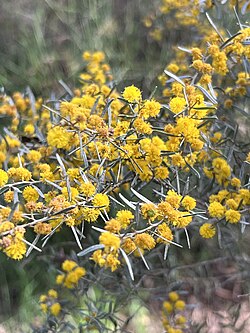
173	319
72	273
129	166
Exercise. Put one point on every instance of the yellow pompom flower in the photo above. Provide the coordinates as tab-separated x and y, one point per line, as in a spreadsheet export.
34	156
112	262
188	202
113	225
60	278
180	320
44	307
179	305
150	109
59	137
87	189
9	196
173	296
144	241
53	293
132	94
16	250
207	230
232	216
73	277
110	241
124	217
6	226
3	177
168	306
101	201
142	126
128	245
89	214
165	232
173	198
30	194
161	172
29	129
68	265
177	104
216	209
55	309
235	182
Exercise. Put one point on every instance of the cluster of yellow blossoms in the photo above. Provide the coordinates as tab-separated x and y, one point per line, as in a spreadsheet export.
173	319
229	205
70	277
89	158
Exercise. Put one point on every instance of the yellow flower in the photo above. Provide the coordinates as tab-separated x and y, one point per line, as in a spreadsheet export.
245	196
101	201
216	209
179	305
124	217
177	104
19	174
73	277
60	278
59	137
52	293
34	156
16	250
89	214
173	68
9	196
3	177
110	241
55	309
144	241
29	129
42	228
150	109
43	298
161	172
87	189
128	245
132	94
164	231
181	320
44	307
168	306
188	202
73	191
142	127
232	204
113	225
232	216
173	198
68	265
30	194
112	262
235	182
207	230
173	296
97	257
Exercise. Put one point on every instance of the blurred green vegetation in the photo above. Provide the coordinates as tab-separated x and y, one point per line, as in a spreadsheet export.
43	41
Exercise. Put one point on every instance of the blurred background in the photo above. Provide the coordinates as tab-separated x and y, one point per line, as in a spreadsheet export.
43	41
